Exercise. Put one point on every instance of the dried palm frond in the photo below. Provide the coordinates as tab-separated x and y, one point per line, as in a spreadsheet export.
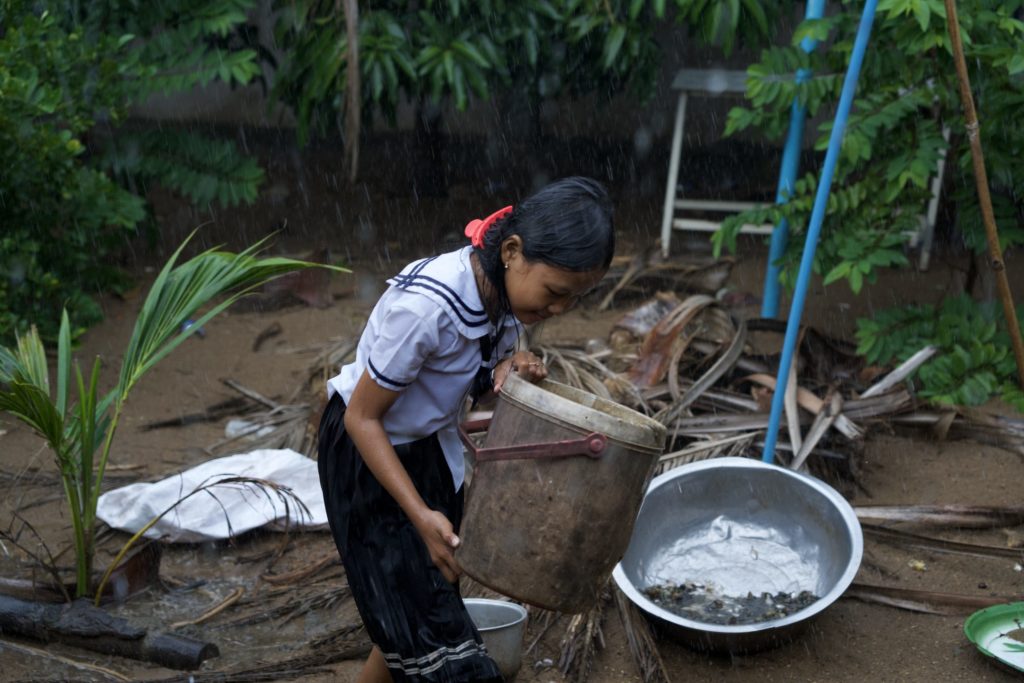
705	450
587	372
812	404
343	633
658	347
302	574
581	640
293	607
577	369
905	369
288	426
66	661
928	602
825	419
957	516
648	270
544	619
714	373
714	400
641	642
333	355
940	545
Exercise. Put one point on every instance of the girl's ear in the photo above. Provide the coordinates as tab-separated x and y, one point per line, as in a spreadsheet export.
511	248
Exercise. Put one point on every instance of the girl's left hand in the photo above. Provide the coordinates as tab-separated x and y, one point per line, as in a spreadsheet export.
524	363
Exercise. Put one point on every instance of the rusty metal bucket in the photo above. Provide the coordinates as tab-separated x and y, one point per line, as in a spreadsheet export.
554	493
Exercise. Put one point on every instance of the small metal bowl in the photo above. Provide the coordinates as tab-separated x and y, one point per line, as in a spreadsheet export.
742	526
502	626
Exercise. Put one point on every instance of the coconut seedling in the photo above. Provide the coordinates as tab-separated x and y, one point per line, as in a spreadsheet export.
81	432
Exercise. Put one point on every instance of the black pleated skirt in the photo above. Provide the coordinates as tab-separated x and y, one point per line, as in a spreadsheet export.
410	611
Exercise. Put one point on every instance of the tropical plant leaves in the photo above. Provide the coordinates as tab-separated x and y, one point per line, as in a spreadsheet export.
81	434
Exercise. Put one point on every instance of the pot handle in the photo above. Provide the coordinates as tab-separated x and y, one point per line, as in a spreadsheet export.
592	445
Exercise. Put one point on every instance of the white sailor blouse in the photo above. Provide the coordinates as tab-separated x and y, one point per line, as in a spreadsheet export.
423	339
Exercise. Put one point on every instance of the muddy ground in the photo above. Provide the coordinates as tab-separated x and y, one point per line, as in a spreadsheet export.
376	231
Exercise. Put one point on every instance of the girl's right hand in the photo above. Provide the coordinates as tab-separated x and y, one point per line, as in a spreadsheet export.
524	363
441	541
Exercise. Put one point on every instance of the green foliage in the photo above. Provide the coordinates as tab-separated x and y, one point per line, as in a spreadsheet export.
725	23
81	433
204	170
68	76
536	49
907	95
57	211
974	362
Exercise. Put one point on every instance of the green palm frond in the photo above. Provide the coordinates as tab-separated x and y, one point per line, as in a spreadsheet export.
180	292
25	391
81	435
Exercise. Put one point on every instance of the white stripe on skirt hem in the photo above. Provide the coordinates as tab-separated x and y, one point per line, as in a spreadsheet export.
426	663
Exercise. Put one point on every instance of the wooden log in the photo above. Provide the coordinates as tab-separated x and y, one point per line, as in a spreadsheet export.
79	624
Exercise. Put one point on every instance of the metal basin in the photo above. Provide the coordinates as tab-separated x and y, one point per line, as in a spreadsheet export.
742	526
502	626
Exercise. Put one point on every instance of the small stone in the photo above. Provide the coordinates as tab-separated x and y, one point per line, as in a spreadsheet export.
982	585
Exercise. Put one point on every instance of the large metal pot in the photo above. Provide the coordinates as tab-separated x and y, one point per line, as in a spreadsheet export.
554	493
743	526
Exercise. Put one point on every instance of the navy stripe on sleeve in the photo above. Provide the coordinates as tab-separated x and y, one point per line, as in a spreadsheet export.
377	373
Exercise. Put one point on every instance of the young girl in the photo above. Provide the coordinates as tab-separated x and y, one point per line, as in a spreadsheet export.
390	460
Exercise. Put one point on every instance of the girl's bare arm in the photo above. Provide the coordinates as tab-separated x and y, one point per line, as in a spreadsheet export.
367	407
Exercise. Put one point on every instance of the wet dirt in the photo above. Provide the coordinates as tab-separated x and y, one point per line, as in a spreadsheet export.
850	641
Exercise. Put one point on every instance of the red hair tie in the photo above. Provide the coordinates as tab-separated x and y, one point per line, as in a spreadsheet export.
476	229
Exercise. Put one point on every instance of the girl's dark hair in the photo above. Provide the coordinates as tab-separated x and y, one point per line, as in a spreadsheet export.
567	224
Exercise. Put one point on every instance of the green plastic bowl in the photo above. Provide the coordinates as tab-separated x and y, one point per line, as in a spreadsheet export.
998	631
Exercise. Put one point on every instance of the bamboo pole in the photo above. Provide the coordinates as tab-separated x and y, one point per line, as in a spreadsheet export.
981	180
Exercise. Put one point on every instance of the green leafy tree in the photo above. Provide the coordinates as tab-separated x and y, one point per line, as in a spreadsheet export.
907	96
457	49
72	176
907	113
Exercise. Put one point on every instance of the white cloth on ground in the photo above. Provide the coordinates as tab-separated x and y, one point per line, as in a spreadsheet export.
222	510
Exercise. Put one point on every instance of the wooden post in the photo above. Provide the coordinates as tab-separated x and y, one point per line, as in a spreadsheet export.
981	180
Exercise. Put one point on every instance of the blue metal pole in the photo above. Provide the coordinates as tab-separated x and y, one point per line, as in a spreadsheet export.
787	176
814	228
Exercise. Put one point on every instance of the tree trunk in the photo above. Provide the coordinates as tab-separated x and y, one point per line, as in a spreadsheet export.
353	88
